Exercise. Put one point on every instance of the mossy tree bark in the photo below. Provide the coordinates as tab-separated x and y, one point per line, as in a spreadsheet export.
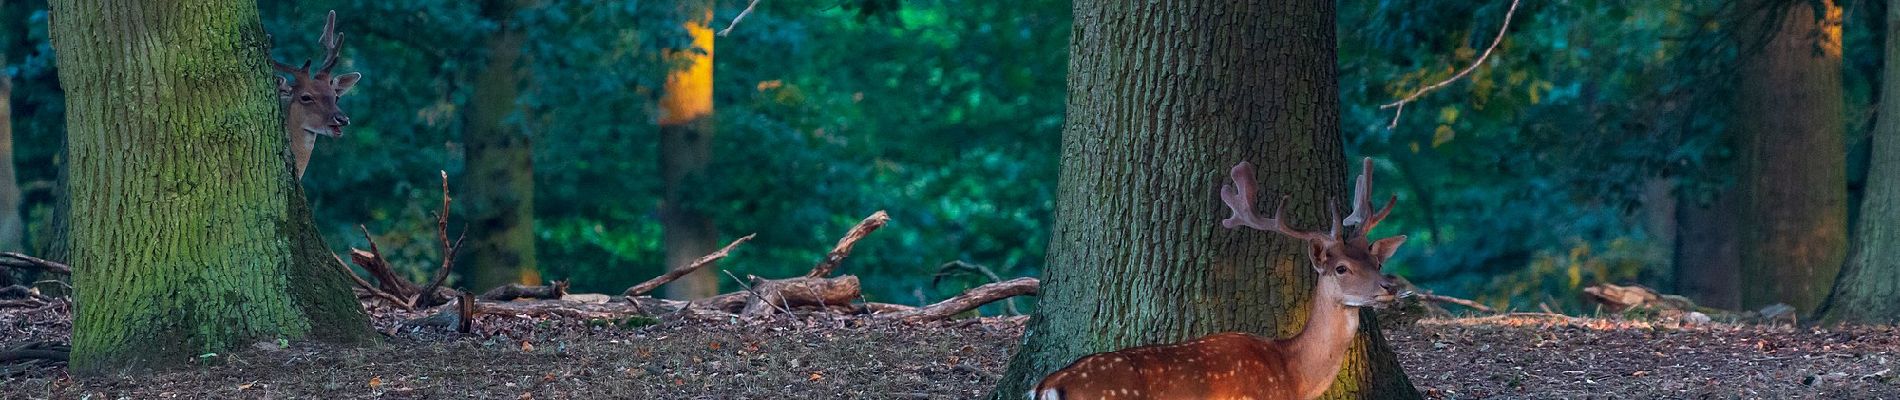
498	187
187	231
1869	283
1164	98
686	132
1793	170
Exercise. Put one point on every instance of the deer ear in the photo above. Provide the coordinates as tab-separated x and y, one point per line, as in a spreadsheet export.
283	88
343	83
1316	250
1385	248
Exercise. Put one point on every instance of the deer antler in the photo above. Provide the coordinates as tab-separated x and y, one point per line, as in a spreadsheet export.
1362	215
332	42
1240	197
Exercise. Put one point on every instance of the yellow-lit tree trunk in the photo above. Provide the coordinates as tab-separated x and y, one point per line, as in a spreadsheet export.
686	133
1793	173
498	187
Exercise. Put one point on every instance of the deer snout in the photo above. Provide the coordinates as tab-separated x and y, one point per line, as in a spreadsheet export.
337	123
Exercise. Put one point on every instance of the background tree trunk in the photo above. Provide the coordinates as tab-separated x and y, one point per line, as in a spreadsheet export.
686	134
498	187
1164	98
1707	261
12	224
1793	175
1869	283
188	233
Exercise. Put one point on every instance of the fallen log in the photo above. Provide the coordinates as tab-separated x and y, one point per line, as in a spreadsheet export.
792	293
971	299
551	291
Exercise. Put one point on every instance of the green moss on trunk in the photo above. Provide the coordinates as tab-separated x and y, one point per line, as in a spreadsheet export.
186	231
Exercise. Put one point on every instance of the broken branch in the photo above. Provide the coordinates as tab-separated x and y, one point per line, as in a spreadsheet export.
676	273
974	298
850	239
22	261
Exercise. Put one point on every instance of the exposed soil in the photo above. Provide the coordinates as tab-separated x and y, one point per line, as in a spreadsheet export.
838	357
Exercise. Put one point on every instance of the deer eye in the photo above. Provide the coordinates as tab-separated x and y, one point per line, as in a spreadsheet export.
1341	269
306	98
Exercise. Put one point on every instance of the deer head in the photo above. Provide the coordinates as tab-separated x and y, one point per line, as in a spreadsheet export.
312	97
1342	255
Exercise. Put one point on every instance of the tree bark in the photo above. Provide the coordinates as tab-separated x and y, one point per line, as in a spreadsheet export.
1870	281
188	233
498	187
1707	261
1165	97
12	223
686	134
1789	111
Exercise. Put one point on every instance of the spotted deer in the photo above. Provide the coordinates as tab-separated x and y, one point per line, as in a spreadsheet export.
1237	365
311	108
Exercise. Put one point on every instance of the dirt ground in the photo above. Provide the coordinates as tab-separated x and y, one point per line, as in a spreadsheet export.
835	357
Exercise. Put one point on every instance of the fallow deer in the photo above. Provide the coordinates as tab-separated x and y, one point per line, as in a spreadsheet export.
1238	365
311	108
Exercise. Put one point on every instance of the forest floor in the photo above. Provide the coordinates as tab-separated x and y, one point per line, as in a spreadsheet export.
832	357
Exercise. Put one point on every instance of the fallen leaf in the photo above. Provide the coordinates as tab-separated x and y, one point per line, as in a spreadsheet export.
816	375
527	347
375	382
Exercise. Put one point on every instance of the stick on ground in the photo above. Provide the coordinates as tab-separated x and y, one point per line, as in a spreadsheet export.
968	300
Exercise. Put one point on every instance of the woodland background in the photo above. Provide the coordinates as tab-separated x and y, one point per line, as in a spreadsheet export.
1595	145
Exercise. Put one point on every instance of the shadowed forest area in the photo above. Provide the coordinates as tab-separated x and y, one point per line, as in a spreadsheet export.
948	198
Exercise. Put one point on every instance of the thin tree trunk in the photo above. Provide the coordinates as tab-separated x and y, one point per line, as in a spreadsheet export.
1708	265
12	226
1789	111
1659	222
1164	97
686	134
1869	283
498	187
188	233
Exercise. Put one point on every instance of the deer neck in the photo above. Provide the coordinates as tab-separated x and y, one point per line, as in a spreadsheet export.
1317	352
301	144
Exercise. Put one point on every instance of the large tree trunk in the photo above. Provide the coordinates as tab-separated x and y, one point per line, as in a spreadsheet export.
1793	161
189	235
498	187
1164	97
686	134
1707	261
1869	284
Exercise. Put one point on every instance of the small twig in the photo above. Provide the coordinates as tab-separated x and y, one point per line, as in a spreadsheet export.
737	18
676	273
1400	105
850	239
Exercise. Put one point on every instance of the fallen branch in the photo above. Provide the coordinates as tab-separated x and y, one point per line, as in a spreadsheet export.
972	299
676	273
22	261
392	286
1400	105
850	239
551	291
949	268
1454	300
448	249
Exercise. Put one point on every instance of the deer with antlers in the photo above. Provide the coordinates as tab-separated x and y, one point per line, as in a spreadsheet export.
311	101
1238	365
